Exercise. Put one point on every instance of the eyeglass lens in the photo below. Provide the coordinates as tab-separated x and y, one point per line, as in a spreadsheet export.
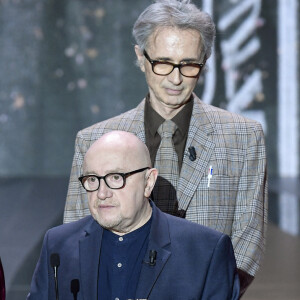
166	68
113	181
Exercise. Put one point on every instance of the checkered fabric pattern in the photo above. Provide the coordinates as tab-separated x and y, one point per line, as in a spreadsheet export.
166	161
236	201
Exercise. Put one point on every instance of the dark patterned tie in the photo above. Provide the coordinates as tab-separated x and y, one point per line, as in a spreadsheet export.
166	161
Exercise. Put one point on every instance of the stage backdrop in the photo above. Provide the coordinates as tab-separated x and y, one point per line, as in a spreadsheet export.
68	64
65	65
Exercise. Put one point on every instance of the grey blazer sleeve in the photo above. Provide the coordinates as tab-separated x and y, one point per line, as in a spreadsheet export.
76	206
250	218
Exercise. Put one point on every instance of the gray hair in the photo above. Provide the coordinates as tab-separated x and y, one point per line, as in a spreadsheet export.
181	14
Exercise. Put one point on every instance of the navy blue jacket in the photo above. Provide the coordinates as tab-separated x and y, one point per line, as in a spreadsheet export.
193	262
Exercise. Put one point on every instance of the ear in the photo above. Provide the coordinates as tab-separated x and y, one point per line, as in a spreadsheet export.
140	57
151	179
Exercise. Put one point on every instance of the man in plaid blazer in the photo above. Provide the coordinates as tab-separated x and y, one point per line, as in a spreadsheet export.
222	179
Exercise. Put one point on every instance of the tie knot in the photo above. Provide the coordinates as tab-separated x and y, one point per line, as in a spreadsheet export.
167	129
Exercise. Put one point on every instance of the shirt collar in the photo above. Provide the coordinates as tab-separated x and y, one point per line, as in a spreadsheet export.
182	119
131	236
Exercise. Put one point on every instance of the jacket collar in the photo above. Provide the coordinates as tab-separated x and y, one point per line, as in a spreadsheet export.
89	253
159	240
200	137
136	125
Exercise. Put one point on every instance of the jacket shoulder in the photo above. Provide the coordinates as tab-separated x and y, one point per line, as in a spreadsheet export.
67	230
184	229
222	118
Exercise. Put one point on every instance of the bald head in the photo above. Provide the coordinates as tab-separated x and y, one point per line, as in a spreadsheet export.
123	144
119	179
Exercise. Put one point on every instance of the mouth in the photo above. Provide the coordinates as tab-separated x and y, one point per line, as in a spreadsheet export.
173	91
105	206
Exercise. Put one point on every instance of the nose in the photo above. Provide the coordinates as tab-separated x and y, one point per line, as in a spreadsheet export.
104	191
175	76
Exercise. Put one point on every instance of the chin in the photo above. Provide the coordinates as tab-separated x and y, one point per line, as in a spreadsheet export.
175	105
176	100
109	224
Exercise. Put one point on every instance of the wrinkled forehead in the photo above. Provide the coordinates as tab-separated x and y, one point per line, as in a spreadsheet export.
106	156
175	36
113	158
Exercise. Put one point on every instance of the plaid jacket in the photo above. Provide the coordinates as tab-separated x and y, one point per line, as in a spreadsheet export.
235	202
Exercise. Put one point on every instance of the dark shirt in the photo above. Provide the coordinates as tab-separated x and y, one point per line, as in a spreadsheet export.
121	261
153	120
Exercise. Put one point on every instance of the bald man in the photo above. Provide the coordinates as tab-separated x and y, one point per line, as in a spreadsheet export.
128	248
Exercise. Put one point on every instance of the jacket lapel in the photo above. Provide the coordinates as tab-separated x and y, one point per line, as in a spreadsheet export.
159	240
199	137
136	124
89	254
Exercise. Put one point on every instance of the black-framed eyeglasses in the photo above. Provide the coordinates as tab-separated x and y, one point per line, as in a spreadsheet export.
160	67
114	181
